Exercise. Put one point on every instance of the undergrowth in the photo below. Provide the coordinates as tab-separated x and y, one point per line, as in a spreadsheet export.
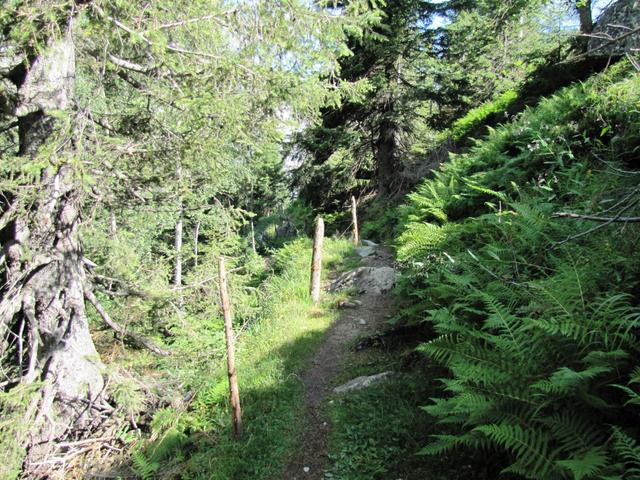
535	315
195	441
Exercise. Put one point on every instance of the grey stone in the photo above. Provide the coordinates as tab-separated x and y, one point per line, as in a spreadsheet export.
369	243
361	383
366	279
349	304
10	58
365	251
619	18
8	96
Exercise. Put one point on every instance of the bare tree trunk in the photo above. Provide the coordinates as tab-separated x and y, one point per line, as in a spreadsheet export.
354	221
234	392
45	280
196	237
113	225
177	272
253	238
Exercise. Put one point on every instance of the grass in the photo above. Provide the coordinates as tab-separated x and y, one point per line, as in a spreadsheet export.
378	433
197	443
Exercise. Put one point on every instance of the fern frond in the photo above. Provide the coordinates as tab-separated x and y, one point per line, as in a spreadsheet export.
143	466
531	447
586	464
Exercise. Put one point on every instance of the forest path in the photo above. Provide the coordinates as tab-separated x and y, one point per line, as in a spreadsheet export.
311	458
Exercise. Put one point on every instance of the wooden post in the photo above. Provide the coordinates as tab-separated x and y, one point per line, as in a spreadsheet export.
234	394
316	261
354	221
253	238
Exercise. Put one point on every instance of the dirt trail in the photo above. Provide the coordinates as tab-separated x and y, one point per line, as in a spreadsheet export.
311	457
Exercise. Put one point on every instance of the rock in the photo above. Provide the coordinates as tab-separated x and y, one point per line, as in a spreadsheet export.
365	252
366	280
306	469
8	97
619	18
10	58
362	322
349	303
362	382
369	243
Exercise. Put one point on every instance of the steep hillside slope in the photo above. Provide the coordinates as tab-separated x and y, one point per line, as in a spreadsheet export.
521	259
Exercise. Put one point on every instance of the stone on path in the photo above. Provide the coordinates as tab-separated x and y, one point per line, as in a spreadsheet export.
365	252
366	280
369	243
349	304
360	383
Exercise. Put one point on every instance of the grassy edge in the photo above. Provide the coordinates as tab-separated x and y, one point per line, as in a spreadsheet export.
197	443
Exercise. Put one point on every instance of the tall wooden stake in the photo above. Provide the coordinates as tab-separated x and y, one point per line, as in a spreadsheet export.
354	221
316	261
253	238
234	393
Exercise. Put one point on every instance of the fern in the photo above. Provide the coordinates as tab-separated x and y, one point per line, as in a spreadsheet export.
629	452
586	464
534	456
144	467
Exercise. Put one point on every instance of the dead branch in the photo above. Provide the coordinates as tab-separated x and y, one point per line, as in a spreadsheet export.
603	45
129	65
597	227
213	17
135	338
596	218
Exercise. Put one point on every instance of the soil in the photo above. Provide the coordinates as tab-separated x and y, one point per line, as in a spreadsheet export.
319	378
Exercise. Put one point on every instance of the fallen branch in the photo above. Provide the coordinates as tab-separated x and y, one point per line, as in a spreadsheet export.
596	218
137	339
597	227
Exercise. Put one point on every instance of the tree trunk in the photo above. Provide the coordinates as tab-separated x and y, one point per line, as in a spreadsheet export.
386	148
43	293
196	236
586	17
177	273
586	23
316	261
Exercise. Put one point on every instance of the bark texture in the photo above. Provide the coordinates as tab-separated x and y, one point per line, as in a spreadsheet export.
43	322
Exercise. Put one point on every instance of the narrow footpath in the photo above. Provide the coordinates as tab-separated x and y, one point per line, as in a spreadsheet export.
363	315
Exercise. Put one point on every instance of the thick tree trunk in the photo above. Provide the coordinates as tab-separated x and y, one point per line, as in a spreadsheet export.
586	23
43	294
586	17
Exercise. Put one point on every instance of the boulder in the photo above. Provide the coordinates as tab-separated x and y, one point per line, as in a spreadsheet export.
362	382
366	280
621	18
365	251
